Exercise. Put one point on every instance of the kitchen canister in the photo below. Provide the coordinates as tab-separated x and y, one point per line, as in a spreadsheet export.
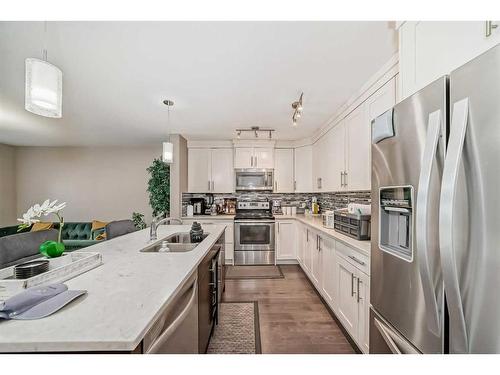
294	210
190	210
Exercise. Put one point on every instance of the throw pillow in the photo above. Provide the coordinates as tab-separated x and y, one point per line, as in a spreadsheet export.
40	226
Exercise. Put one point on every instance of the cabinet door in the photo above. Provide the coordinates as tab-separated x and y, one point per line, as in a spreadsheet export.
430	49
264	157
283	170
286	241
222	170
358	163
316	261
243	157
229	253
347	306
363	292
303	170
300	242
335	163
199	170
308	241
328	281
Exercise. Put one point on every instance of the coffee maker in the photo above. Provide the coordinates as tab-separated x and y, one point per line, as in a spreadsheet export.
198	206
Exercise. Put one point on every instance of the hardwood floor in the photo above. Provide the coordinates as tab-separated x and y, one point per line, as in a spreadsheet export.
292	316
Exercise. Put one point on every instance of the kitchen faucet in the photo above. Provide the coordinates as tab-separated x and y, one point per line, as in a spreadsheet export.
157	222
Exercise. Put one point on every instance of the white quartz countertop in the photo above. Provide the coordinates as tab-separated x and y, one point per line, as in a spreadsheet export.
125	296
316	223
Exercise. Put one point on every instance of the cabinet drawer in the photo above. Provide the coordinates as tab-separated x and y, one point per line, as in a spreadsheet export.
358	260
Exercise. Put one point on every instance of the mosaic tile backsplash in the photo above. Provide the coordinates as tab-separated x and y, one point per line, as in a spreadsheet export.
327	201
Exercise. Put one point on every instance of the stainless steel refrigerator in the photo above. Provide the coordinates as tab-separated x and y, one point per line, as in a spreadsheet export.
435	260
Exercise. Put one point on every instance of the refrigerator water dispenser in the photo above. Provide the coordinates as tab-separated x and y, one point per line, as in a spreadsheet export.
396	221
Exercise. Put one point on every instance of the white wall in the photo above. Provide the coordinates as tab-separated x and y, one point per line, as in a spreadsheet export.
7	186
102	183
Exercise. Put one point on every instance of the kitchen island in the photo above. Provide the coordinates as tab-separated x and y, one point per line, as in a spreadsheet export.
125	296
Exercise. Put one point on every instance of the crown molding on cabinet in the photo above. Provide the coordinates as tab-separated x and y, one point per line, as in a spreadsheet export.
253	143
210	144
386	73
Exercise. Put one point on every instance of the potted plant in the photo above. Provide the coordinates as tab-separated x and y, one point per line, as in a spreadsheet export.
159	187
50	249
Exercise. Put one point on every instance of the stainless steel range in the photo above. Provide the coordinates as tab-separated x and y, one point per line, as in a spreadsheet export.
253	233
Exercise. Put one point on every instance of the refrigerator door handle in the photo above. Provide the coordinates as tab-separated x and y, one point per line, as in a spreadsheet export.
458	127
424	182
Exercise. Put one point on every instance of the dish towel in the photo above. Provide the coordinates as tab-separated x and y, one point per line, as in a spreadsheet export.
38	302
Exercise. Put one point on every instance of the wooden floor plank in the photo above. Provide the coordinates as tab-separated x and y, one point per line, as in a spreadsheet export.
292	317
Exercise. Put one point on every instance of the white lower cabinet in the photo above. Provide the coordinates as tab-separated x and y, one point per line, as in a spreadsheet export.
340	275
286	240
328	272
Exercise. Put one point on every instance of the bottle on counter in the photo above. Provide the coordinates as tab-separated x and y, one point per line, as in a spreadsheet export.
314	206
196	232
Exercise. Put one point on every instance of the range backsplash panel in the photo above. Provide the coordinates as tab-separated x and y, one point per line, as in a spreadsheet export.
327	201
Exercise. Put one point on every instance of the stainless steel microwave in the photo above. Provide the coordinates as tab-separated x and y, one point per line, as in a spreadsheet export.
254	179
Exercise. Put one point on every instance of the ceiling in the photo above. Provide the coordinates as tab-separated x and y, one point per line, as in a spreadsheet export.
221	76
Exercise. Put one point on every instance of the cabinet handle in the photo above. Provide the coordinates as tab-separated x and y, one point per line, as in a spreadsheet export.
352	284
359	297
256	161
489	27
295	185
208	185
346	181
356	260
319	243
307	235
276	185
341	178
213	186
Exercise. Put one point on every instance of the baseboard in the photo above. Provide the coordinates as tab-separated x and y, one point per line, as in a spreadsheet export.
333	315
286	261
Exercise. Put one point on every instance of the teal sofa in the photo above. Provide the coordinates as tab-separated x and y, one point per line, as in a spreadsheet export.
75	235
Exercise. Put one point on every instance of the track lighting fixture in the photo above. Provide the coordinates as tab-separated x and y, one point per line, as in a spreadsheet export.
297	110
255	130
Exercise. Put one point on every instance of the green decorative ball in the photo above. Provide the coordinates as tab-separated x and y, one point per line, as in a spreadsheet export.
52	249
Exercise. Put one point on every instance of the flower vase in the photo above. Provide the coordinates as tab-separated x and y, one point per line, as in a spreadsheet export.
53	249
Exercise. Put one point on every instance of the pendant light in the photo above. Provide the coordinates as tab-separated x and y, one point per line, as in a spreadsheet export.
168	148
43	91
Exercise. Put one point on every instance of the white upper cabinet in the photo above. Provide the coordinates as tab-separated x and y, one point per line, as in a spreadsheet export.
264	157
222	170
254	157
199	170
303	169
243	157
358	137
210	170
431	49
283	170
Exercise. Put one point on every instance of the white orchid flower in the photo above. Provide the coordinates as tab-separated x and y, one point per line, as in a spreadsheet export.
46	208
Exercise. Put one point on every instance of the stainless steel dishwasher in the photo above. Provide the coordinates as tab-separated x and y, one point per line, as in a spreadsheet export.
176	330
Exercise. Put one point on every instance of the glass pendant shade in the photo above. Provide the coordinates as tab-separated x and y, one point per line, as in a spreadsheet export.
43	95
168	152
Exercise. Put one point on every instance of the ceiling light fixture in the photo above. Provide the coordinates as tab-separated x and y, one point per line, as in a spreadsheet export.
43	85
255	130
167	155
297	110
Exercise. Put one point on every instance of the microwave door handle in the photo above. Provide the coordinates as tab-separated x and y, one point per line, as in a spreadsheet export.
156	346
424	185
458	127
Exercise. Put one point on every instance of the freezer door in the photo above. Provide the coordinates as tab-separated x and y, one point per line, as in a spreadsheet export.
407	162
384	339
470	209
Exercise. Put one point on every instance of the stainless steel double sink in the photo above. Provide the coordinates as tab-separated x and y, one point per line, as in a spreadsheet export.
175	243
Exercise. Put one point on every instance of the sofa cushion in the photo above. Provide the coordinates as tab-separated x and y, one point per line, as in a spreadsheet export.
119	228
76	231
23	246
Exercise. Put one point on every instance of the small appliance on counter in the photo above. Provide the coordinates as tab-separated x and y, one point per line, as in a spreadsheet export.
189	210
328	219
230	206
353	225
198	206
